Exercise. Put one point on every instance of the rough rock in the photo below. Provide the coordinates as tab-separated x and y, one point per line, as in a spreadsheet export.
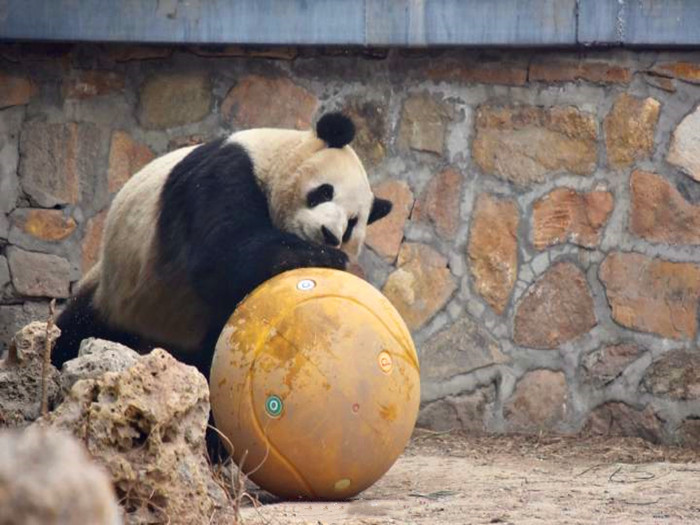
39	274
572	70
619	419
10	125
659	213
439	203
92	83
174	99
463	347
476	72
92	240
565	215
370	119
47	478
185	141
527	144
277	102
675	375
15	90
146	425
461	412
424	120
686	71
629	129
95	357
421	285
21	376
385	236
4	273
126	157
557	308
13	317
602	366
685	145
44	225
56	159
667	84
689	432
493	249
652	295
538	403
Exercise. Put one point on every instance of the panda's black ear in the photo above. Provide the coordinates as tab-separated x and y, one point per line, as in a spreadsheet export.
380	208
335	129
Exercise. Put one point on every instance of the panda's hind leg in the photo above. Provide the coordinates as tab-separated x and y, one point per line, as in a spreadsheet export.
80	320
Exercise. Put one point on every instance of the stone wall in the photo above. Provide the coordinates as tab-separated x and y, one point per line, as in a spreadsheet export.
544	243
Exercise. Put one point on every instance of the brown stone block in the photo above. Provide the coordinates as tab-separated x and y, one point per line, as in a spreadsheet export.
629	129
538	403
573	70
620	419
687	71
557	308
602	366
461	412
421	285
126	157
276	102
527	144
385	235
15	90
39	274
370	121
659	213
675	375
45	225
685	145
176	99
493	249
424	120
461	72
87	84
439	203
92	240
652	295
49	163
186	141
462	348
565	215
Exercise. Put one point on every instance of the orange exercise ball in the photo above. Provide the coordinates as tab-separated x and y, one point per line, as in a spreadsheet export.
315	382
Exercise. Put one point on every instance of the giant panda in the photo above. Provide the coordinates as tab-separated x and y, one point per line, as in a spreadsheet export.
196	230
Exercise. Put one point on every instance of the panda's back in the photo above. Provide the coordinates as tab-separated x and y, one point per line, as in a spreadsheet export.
131	290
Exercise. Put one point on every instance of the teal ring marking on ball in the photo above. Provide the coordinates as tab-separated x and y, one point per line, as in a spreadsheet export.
273	406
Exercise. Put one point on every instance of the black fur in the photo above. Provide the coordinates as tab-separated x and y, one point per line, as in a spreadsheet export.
380	208
79	320
348	231
324	193
335	129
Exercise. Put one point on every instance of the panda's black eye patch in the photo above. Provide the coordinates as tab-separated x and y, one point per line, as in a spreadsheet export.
348	231
324	193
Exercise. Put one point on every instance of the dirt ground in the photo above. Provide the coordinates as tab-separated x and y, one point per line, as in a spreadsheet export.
452	478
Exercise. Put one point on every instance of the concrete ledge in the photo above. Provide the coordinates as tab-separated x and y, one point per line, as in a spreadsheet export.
415	23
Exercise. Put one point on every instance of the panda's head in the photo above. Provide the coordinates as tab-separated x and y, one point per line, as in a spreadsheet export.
318	188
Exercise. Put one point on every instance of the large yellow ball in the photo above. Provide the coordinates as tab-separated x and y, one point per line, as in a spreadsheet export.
315	382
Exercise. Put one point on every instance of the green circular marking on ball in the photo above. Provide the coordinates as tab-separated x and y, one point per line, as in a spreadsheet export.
273	406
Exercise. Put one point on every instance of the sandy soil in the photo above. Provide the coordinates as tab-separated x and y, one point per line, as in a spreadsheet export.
451	479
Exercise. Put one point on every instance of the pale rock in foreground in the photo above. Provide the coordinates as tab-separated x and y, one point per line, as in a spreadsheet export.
46	478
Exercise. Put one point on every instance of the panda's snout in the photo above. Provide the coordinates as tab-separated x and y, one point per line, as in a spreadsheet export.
329	238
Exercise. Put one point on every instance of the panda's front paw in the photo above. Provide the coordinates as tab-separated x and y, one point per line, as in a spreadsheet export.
331	258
